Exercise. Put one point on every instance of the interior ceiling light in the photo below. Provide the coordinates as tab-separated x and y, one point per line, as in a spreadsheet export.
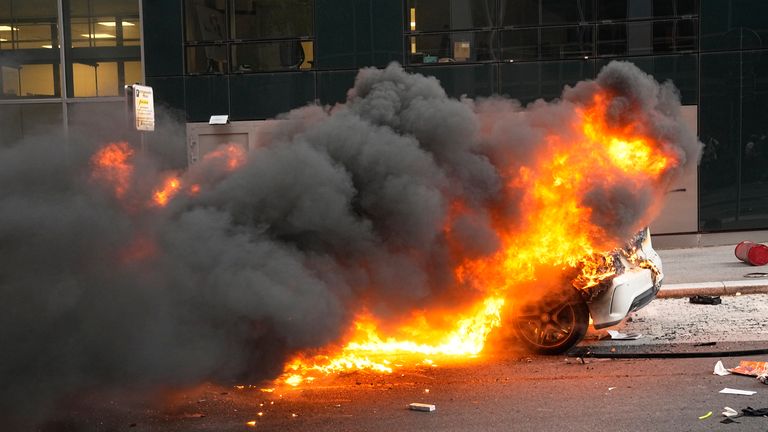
47	46
114	24
98	36
7	28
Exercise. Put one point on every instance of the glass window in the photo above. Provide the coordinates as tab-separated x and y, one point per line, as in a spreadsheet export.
105	40
207	59
270	56
719	114
206	20
687	7
103	23
641	37
566	11
440	15
28	120
28	43
663	36
29	81
611	39
567	42
519	12
102	78
470	80
753	206
611	9
520	44
38	80
453	47
265	19
685	35
734	24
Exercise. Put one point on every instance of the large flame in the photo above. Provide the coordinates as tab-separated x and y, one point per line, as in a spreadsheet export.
556	232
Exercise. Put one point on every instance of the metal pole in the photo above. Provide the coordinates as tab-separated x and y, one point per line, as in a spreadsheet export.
63	69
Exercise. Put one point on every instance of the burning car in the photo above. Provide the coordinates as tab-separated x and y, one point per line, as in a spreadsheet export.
631	278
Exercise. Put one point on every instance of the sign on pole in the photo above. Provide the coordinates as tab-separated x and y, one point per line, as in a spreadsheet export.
144	107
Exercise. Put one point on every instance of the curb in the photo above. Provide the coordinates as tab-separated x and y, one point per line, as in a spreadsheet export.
724	288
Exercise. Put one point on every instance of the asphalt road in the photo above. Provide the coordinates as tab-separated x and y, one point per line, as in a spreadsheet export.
503	390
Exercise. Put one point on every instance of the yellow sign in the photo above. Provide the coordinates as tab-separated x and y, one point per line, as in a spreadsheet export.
144	107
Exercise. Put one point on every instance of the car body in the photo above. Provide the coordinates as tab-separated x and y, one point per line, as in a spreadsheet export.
559	320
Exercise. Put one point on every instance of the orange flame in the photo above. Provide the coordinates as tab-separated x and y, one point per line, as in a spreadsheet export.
556	232
171	186
112	165
233	155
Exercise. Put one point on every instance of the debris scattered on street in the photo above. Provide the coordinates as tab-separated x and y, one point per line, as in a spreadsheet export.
705	300
421	407
756	275
730	412
737	392
720	369
755	254
763	378
706	416
752	412
750	368
617	335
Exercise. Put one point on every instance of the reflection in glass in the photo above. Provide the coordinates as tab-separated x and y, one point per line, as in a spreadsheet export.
566	11
269	56
611	39
567	42
453	47
205	20
519	12
520	44
441	15
207	59
264	19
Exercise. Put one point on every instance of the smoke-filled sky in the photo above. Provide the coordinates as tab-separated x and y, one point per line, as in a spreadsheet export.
344	207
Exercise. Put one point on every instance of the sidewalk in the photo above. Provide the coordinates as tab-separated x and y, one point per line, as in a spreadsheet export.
708	271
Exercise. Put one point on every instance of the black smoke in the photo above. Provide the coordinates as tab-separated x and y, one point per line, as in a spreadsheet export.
345	207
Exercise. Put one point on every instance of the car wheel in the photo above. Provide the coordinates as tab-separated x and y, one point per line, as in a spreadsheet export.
553	324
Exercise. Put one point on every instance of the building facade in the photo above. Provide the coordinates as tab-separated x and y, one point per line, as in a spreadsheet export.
254	59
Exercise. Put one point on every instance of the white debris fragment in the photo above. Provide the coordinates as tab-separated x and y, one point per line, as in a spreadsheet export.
617	335
730	412
737	391
720	369
421	407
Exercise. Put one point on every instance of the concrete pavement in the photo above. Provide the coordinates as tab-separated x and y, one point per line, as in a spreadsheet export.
711	270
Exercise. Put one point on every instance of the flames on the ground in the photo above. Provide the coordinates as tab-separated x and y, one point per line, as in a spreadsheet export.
556	231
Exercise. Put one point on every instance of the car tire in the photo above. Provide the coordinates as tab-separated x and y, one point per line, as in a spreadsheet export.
553	324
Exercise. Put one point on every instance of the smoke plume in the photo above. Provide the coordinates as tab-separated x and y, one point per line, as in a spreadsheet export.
344	207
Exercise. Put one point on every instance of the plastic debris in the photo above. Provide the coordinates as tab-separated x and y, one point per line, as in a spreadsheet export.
737	391
750	368
421	407
617	335
706	416
720	369
730	412
705	300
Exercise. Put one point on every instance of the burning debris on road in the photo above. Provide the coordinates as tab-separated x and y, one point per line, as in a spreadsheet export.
399	222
